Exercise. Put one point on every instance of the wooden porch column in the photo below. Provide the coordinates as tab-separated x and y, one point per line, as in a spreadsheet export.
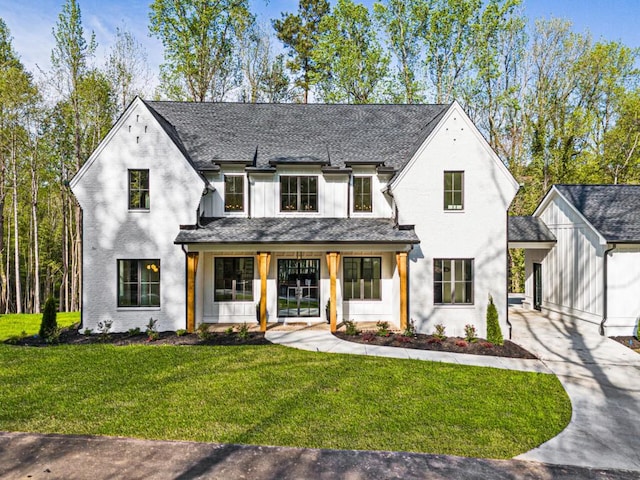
332	260
192	267
263	265
401	260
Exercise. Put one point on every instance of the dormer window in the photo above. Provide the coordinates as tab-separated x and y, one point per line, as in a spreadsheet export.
362	199
233	193
298	194
138	189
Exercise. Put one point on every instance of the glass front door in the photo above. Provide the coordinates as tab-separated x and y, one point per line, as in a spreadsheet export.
298	288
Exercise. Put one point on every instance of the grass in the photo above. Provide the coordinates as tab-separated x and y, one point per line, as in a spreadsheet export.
273	395
14	324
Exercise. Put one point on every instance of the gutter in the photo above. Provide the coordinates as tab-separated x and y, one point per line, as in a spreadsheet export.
605	287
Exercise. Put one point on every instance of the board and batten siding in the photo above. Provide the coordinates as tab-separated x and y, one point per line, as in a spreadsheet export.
111	231
477	232
624	290
572	278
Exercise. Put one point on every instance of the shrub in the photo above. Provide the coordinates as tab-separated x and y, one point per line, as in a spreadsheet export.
439	332
383	329
434	339
87	331
243	331
638	331
494	333
181	332
462	343
350	328
152	330
368	337
49	325
229	331
103	328
134	331
486	345
403	338
410	329
203	332
470	333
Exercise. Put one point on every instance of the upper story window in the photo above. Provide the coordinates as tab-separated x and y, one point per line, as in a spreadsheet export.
138	189
362	278
362	199
452	281
298	194
233	193
139	283
453	190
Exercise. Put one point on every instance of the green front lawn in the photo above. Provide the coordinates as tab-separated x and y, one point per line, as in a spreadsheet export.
14	324
273	395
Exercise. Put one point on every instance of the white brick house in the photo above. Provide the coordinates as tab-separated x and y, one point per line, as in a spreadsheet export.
199	212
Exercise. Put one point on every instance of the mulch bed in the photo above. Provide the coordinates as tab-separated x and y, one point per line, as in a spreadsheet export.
71	336
629	342
449	344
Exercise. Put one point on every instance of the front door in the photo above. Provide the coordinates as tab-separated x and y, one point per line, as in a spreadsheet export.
298	288
537	286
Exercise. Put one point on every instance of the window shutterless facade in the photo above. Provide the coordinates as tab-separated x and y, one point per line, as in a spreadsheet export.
453	281
362	198
362	278
233	279
453	190
233	193
298	194
138	189
139	283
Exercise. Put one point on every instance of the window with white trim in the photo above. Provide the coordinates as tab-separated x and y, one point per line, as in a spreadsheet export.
362	197
298	194
233	193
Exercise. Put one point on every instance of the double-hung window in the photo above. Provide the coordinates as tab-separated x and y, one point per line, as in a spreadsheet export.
233	279
233	193
139	283
453	190
138	189
298	194
453	281
362	198
362	278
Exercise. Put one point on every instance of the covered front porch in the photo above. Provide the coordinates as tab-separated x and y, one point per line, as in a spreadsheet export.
309	271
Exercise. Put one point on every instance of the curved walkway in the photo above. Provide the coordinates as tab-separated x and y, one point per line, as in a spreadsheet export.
600	376
321	340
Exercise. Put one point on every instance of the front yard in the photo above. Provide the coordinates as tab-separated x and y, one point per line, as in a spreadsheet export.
272	395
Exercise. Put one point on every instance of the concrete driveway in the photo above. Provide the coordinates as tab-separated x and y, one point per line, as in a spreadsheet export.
602	379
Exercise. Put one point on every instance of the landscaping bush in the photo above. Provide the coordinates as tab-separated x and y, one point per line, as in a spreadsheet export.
49	325
494	333
410	330
439	332
383	329
243	331
638	331
350	328
470	333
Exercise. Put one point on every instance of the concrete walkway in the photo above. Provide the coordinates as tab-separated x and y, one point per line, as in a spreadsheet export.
321	340
602	379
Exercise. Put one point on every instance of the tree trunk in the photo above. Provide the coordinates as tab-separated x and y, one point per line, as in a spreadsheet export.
16	235
36	241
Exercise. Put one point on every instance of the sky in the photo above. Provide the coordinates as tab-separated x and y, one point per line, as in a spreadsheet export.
31	22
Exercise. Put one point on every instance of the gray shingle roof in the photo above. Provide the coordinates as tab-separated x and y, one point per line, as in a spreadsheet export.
529	229
330	134
297	230
613	210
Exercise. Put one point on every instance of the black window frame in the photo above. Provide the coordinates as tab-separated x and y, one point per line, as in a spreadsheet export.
230	283
362	201
454	283
237	204
294	198
452	190
139	187
360	278
141	264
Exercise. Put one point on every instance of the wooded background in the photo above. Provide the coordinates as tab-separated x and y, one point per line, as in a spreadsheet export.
557	106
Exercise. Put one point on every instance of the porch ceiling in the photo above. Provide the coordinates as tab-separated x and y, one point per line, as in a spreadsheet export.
295	230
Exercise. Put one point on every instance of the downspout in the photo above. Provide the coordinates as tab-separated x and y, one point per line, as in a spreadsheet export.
394	205
605	292
349	187
507	285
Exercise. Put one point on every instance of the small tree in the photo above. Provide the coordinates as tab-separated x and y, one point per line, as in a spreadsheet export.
494	333
49	325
